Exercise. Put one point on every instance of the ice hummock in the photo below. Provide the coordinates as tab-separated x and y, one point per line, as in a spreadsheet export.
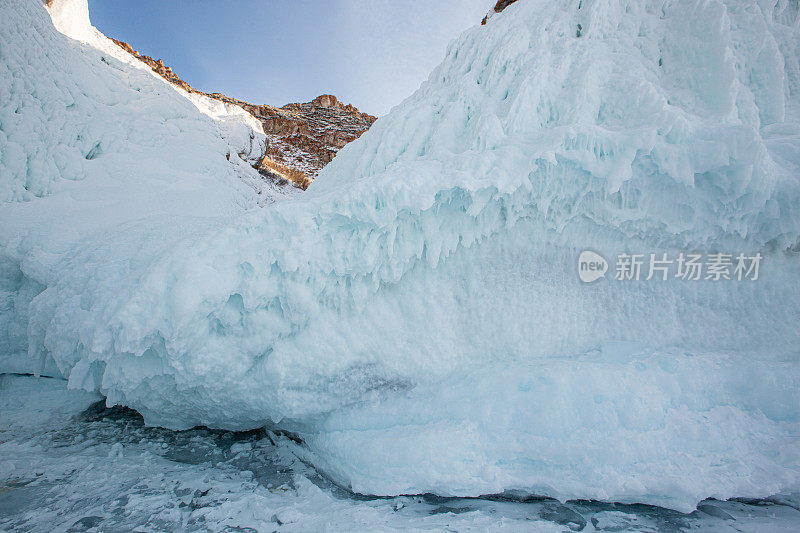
416	315
96	148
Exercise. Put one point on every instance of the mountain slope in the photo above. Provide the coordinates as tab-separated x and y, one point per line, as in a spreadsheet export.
301	138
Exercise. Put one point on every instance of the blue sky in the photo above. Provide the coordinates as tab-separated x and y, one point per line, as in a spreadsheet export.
371	53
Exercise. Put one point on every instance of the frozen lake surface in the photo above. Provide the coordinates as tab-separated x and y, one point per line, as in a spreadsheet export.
67	463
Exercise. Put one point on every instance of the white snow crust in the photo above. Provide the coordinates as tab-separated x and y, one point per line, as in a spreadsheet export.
416	315
95	148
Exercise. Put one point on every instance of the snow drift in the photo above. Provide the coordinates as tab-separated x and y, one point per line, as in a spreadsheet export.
416	315
93	148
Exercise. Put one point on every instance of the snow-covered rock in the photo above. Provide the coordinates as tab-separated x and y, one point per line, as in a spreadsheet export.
71	17
301	138
417	316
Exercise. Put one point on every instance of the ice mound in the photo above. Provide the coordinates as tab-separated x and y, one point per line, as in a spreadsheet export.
93	144
417	316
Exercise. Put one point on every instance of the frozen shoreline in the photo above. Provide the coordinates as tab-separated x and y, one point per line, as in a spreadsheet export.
69	464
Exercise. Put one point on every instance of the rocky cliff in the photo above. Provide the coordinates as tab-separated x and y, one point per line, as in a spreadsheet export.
498	7
301	137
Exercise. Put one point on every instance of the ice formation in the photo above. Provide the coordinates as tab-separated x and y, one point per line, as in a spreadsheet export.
94	146
416	315
64	467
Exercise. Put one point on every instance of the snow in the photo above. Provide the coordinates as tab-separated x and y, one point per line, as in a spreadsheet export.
71	17
92	145
416	316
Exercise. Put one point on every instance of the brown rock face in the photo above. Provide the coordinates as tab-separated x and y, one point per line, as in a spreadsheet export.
307	136
326	100
301	138
158	66
498	7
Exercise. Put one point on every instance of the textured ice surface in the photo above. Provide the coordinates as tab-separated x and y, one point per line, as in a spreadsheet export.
94	148
416	316
76	466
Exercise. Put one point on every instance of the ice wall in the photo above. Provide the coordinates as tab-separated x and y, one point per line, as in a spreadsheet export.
92	144
417	316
